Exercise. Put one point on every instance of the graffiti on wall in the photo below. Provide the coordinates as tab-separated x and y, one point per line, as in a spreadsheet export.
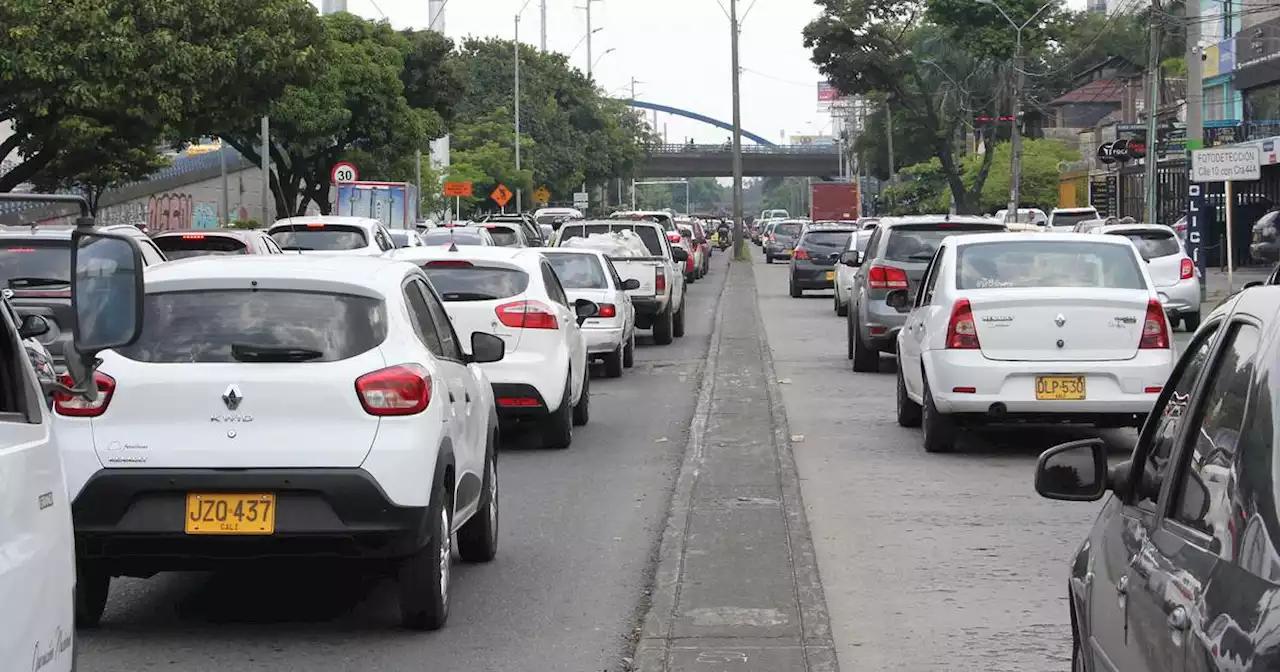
169	211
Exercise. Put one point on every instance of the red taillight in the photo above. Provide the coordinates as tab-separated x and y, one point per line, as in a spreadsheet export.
193	236
1155	329
404	389
1187	270
801	254
76	406
448	264
22	249
673	237
518	402
660	281
607	310
527	315
886	277
315	225
962	333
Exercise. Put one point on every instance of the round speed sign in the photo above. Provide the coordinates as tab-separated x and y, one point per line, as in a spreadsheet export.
344	172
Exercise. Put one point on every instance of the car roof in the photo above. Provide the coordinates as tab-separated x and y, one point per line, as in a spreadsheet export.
357	275
1072	211
1019	236
366	223
513	255
888	222
63	231
1112	228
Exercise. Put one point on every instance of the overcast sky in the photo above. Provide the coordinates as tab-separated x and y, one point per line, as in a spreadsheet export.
677	50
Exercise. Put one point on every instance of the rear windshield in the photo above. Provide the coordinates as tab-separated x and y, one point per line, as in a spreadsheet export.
446	235
327	237
787	229
475	283
1033	263
503	236
831	239
227	325
199	245
646	233
1063	220
26	263
578	271
918	242
666	223
1152	244
554	220
864	237
401	238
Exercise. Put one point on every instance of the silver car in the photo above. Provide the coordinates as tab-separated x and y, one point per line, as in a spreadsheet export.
1174	275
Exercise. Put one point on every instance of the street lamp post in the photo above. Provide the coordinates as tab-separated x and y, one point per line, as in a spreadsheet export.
739	237
517	101
608	51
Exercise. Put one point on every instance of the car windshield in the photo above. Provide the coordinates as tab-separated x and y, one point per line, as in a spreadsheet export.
327	237
401	238
918	242
227	325
1152	243
578	271
646	233
1030	263
447	235
460	282
503	235
25	262
1070	219
186	245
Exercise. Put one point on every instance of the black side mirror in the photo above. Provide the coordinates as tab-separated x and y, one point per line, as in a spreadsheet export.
898	299
630	284
679	254
486	348
585	310
851	258
1074	472
33	326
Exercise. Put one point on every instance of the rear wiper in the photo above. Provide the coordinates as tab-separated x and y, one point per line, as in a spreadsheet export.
921	257
466	296
247	352
20	283
296	248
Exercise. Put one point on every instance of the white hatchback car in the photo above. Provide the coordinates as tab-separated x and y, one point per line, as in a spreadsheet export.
1058	327
514	293
348	236
589	274
1175	276
284	406
457	235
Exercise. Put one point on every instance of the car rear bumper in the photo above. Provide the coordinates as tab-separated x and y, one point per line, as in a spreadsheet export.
1181	298
881	326
519	401
133	519
813	277
544	375
648	306
602	340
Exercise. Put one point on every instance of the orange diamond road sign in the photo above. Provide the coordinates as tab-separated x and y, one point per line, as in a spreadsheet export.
502	195
542	195
457	189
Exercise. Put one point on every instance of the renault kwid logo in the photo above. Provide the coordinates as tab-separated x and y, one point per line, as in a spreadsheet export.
232	397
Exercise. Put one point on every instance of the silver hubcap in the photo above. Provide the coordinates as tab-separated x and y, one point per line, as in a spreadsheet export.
446	550
493	500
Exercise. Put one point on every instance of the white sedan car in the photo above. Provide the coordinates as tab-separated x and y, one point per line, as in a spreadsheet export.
513	292
1005	327
588	274
347	236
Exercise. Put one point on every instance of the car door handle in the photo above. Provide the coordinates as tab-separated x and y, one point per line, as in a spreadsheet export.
1122	586
1178	619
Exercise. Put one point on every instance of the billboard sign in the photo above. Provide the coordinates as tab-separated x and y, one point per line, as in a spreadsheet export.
826	93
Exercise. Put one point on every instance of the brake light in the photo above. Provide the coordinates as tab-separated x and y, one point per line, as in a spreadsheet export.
607	310
22	249
315	225
886	277
404	389
518	402
78	407
527	315
673	237
773	238
193	236
801	255
962	333
448	264
1155	330
1187	269
660	281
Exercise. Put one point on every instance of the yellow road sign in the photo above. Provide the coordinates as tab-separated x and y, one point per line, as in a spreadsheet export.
542	195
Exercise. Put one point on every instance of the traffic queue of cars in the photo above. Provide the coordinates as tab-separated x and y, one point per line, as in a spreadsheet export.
323	388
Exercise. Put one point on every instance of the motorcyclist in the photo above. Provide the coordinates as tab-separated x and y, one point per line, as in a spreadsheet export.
722	234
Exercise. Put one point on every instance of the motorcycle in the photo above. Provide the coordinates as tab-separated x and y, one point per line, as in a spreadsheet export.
722	239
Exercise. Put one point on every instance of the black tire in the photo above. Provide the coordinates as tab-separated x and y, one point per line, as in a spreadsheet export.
796	292
92	587
909	412
613	363
1174	322
939	430
662	325
1192	320
629	351
690	278
849	331
582	409
677	325
425	575
557	432
768	258
865	359
478	537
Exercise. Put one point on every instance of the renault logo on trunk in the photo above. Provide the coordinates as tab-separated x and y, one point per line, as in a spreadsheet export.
232	397
1059	320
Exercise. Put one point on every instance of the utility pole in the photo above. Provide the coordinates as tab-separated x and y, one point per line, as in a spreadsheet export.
1015	165
1195	83
1153	101
517	99
888	124
590	59
266	172
739	237
544	26
222	174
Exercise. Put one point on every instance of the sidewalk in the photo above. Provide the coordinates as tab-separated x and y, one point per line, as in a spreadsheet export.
1216	288
737	584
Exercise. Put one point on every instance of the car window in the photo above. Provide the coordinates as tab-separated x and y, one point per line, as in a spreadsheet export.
918	242
613	273
1203	498
463	281
1063	219
873	243
186	245
401	238
648	234
446	235
1039	263
1152	243
554	288
270	244
931	278
1161	428
320	236
578	271
423	321
444	327
38	263
792	230
150	253
503	236
826	240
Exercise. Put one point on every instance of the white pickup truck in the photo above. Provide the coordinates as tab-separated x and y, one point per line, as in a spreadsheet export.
659	301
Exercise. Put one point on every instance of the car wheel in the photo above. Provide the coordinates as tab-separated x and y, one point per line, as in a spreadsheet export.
478	538
629	351
865	359
848	327
613	363
582	409
768	258
796	292
424	576
1192	320
662	326
92	586
677	326
939	430
908	411
557	433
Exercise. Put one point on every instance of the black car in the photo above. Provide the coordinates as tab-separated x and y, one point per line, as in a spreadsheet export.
1181	568
813	263
532	232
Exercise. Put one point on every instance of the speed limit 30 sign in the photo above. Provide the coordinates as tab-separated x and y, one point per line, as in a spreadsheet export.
344	172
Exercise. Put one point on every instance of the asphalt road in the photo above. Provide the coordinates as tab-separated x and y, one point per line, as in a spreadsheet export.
928	562
579	533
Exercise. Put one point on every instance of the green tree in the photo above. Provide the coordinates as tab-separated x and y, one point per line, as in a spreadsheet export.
144	73
91	168
483	153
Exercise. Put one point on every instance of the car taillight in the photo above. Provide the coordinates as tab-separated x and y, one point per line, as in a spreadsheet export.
886	277
607	310
660	281
1155	330
448	264
673	237
773	238
801	255
404	389
1188	269
527	315
77	406
962	333
193	236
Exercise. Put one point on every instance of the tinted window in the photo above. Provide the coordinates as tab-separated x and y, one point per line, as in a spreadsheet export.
835	240
554	289
864	237
475	283
1032	263
36	260
787	230
647	233
1064	220
401	238
423	321
199	245
918	242
578	271
503	236
1152	244
202	326
446	235
448	338
328	237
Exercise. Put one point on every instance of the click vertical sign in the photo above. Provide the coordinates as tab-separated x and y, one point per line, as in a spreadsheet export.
1241	163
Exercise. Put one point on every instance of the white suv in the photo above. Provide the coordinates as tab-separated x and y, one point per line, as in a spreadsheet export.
284	406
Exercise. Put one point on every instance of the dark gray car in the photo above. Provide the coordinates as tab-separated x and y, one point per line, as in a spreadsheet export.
896	257
782	239
813	264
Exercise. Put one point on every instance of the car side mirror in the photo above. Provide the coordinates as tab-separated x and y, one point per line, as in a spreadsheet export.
33	326
1074	472
679	255
630	284
898	299
106	300
850	258
585	310
487	348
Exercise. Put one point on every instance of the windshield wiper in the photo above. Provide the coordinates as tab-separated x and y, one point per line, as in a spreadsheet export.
20	283
248	352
